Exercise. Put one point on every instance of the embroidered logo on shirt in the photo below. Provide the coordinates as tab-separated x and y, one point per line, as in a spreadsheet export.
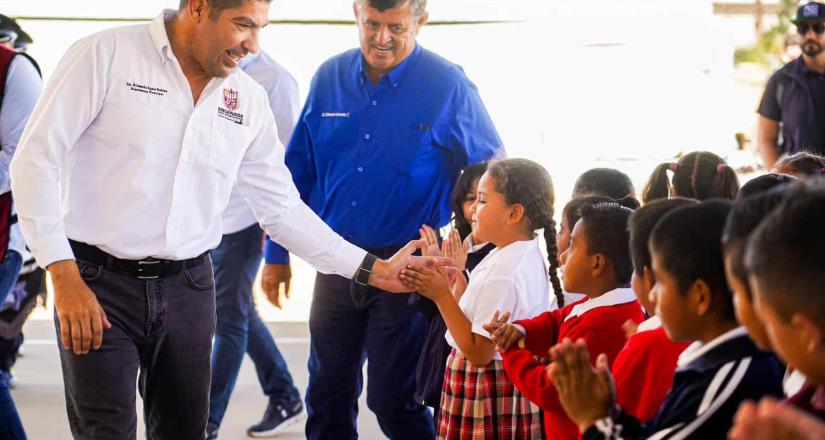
135	87
230	99
334	115
231	102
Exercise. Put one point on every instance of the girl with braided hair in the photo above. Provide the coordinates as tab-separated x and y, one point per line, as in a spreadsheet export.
515	199
597	264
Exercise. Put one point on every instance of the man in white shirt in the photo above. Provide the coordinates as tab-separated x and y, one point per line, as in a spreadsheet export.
127	165
235	262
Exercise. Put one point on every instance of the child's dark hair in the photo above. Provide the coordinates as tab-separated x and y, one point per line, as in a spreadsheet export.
463	186
688	242
641	224
801	165
604	182
606	234
699	175
784	253
745	216
572	210
527	183
763	183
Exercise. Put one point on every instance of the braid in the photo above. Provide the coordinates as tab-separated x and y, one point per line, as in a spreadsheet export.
552	258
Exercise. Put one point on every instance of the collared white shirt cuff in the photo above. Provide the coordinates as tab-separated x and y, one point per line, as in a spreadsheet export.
520	328
48	249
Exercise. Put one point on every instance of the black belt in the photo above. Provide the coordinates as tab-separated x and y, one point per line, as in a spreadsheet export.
145	269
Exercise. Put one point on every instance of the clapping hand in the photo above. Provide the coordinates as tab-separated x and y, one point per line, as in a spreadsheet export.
503	333
586	393
431	281
386	275
430	242
770	419
455	249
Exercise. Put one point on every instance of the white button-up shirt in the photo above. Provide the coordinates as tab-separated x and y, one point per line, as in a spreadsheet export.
117	155
282	90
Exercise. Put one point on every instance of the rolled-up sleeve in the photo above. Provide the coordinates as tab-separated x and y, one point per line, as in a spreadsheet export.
70	102
266	183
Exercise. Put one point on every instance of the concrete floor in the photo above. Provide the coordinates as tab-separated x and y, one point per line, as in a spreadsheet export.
40	401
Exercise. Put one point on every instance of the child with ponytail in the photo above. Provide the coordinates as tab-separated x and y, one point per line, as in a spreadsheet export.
515	199
699	175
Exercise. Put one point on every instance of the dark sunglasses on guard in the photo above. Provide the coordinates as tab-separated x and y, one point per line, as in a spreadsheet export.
818	27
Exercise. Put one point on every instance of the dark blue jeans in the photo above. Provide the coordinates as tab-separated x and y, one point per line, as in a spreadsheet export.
347	326
11	428
161	328
240	329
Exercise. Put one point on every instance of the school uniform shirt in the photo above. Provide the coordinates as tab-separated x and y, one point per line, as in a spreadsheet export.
710	383
282	91
118	155
811	399
510	279
643	370
598	321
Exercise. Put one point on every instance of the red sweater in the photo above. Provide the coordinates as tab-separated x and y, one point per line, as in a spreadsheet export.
600	327
643	372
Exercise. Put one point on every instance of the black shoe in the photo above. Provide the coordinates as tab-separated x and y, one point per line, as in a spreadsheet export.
276	418
211	431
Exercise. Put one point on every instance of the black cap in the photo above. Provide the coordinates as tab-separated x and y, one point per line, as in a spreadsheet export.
810	11
10	24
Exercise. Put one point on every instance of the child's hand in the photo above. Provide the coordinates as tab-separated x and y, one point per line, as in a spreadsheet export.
630	328
453	247
497	322
504	334
430	240
459	285
586	393
430	281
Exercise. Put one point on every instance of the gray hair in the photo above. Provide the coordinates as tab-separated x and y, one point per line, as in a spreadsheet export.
418	6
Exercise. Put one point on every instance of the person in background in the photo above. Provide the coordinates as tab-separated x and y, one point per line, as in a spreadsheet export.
239	328
801	165
698	175
603	182
382	138
793	104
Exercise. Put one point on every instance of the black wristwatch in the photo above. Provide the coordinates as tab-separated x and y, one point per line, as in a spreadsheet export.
362	276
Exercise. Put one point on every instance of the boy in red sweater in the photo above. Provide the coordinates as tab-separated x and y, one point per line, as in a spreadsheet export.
643	370
597	264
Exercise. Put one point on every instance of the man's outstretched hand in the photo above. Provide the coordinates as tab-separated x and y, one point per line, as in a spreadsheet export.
386	273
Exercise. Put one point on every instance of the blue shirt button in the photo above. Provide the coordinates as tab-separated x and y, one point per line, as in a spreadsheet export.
360	169
374	103
367	136
354	204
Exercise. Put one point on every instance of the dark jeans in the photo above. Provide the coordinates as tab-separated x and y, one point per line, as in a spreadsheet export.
347	326
240	329
161	328
11	428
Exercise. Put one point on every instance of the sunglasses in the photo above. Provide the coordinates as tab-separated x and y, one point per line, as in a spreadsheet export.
818	27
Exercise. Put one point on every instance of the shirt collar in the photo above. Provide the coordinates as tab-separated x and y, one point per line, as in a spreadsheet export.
652	323
615	297
397	74
157	31
697	350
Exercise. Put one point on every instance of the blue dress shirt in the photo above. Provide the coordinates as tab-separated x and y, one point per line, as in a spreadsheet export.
378	161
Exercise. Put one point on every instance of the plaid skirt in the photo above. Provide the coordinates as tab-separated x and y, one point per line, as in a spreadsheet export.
482	403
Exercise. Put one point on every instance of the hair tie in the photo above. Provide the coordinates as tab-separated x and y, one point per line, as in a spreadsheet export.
721	167
822	171
673	167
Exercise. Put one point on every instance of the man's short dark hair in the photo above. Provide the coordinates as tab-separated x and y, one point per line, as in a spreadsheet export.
785	252
216	6
418	6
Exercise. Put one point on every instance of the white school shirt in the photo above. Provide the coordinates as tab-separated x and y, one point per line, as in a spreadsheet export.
117	155
282	90
510	279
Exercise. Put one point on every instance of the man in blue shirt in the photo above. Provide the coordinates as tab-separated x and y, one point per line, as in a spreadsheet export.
380	142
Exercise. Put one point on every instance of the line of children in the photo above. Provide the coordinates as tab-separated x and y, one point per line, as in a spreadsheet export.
783	260
644	368
515	198
597	264
720	370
